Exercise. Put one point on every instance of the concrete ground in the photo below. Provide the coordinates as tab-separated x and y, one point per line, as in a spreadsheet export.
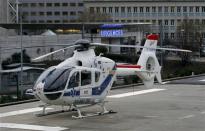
179	107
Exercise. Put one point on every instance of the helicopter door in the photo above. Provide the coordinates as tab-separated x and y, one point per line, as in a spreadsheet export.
86	81
74	83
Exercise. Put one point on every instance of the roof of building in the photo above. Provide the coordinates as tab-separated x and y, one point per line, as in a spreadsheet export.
79	26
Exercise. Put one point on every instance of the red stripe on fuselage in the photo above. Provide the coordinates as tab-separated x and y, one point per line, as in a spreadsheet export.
128	66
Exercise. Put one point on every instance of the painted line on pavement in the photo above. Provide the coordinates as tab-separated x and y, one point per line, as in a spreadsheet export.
202	80
135	93
186	117
31	127
203	112
19	112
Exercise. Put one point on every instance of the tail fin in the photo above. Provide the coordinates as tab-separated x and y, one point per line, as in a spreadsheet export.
150	67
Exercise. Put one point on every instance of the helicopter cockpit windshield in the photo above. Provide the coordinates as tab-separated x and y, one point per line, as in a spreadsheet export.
54	79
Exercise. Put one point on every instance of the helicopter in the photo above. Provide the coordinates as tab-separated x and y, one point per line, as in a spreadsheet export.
86	79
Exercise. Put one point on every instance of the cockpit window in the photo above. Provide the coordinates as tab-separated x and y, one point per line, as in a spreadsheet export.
44	75
56	80
85	78
74	80
97	76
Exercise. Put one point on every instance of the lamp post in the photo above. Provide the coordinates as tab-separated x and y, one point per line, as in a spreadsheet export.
19	20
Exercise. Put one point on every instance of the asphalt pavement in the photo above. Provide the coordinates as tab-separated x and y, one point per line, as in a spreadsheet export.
169	107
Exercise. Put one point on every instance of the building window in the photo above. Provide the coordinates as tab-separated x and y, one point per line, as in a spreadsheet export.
178	9
123	9
110	9
33	13
160	9
104	9
64	4
166	22
197	9
41	4
49	4
98	9
57	21
33	21
33	4
172	35
203	8
191	9
41	21
166	35
197	21
135	9
65	21
80	4
72	4
80	12
116	9
49	21
159	22
25	4
172	22
91	9
65	13
141	9
72	13
172	9
57	4
41	13
49	13
166	9
153	9
184	9
147	9
57	13
203	21
129	9
25	13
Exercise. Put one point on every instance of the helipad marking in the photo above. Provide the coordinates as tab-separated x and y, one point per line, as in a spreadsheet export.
135	93
19	112
31	127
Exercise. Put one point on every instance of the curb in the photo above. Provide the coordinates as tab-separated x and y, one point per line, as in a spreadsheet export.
18	102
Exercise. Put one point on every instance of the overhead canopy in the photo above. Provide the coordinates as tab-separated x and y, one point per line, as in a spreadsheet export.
78	26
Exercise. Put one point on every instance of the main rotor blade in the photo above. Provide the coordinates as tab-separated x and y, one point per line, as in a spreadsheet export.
48	54
27	47
141	47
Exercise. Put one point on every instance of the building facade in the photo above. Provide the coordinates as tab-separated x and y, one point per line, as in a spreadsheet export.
168	13
50	11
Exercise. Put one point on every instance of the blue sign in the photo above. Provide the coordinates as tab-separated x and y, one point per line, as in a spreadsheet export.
111	33
110	26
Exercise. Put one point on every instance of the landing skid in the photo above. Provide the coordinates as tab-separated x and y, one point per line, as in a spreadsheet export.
93	114
44	113
104	112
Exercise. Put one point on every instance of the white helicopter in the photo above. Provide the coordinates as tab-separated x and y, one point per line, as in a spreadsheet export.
86	79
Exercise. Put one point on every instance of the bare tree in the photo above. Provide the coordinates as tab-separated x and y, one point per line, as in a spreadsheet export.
189	36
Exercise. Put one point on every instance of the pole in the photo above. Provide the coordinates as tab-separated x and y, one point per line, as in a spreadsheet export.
21	33
83	29
161	43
